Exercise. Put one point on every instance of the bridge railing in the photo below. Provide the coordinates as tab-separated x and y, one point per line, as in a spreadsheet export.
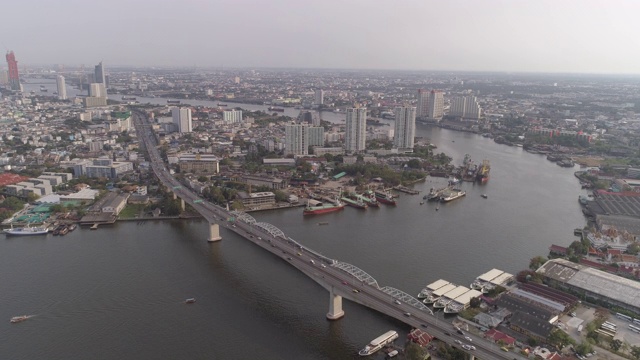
406	298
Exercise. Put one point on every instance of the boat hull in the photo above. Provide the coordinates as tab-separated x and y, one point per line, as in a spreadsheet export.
324	210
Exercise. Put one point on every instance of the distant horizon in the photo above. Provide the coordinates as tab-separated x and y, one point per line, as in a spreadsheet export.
89	68
528	36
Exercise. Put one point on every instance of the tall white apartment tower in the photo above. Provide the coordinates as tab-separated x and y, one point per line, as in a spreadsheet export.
356	130
182	118
319	97
232	116
430	104
405	128
296	139
62	88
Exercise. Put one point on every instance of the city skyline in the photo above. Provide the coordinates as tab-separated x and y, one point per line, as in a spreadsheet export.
493	35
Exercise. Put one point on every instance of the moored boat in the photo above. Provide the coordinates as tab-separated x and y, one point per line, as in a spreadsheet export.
452	195
377	343
384	197
315	207
483	173
358	204
27	231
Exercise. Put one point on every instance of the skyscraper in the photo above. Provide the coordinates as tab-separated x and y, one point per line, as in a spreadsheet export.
62	88
97	90
430	104
14	76
405	128
182	118
296	139
356	130
319	97
99	74
465	107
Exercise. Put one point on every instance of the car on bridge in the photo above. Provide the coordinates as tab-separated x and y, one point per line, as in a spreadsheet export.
397	302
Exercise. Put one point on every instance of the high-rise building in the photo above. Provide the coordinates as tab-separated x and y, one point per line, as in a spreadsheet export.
356	130
316	136
423	101
232	116
14	76
97	90
4	77
405	128
62	88
182	118
99	75
465	107
430	104
296	140
319	97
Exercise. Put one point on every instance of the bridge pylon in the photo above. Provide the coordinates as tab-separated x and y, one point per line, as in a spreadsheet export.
214	232
182	205
335	306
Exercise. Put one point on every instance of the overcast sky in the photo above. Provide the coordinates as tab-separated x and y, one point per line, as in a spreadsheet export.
586	36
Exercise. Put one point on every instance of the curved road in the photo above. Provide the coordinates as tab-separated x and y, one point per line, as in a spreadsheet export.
317	267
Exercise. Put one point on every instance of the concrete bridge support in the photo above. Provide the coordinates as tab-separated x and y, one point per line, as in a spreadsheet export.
182	204
175	197
335	306
472	357
214	232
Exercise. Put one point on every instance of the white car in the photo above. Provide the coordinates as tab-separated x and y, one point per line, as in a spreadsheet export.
457	341
397	302
468	338
468	347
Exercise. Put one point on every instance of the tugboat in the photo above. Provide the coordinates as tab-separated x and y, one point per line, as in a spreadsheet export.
483	173
17	319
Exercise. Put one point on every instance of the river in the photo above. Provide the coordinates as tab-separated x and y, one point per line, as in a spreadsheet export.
118	292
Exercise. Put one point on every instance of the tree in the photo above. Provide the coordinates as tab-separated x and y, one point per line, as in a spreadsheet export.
536	262
615	344
635	352
560	338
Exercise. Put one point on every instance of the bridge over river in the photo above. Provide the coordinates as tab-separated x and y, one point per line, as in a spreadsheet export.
340	279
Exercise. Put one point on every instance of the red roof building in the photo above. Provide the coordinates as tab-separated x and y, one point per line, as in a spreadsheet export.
496	336
10	179
419	337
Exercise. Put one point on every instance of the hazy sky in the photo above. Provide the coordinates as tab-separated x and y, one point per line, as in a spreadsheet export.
487	35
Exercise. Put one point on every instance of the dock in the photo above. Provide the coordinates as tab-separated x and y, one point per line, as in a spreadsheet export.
405	189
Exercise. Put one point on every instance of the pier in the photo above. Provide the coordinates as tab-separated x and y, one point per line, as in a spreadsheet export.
406	190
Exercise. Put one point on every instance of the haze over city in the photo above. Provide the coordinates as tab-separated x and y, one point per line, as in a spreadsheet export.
523	36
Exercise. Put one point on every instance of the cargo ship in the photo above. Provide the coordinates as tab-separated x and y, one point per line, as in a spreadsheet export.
385	197
483	173
273	108
369	198
358	204
377	343
125	98
173	101
315	207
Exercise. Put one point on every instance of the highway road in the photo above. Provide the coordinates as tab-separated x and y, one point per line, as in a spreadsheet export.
349	283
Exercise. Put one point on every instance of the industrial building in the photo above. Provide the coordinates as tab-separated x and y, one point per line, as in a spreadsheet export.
592	284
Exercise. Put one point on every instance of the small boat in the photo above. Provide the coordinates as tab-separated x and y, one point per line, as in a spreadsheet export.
323	223
72	227
484	196
437	207
190	301
421	202
17	319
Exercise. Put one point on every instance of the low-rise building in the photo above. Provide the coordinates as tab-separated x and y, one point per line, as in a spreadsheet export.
260	199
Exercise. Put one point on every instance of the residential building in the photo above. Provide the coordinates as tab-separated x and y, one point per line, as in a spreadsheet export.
232	116
316	136
62	87
91	101
465	107
356	130
182	119
434	106
405	127
296	139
